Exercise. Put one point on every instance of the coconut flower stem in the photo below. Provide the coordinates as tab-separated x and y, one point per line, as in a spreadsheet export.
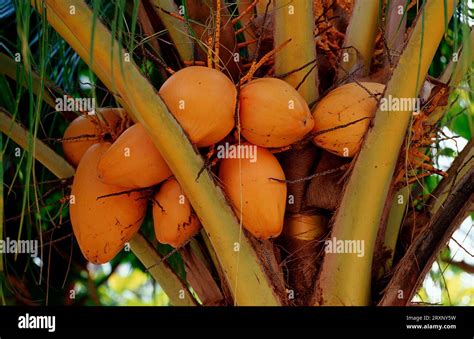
345	279
295	20
45	155
8	67
174	288
163	275
360	38
250	284
394	222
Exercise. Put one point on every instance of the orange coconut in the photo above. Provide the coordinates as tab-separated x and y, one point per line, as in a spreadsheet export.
85	131
173	217
259	199
133	161
273	113
203	101
347	103
102	226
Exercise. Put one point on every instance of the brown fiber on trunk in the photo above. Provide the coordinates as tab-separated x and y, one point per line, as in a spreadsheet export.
325	191
200	279
298	164
270	258
298	238
301	242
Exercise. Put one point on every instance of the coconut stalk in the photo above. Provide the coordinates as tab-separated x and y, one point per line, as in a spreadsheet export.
295	20
171	284
453	201
394	221
176	28
248	281
8	67
345	279
397	211
359	41
174	288
395	30
45	155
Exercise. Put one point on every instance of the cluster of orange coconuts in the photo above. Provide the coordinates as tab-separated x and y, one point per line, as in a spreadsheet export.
108	201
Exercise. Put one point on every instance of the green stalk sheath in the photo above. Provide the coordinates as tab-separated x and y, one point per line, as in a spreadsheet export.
345	278
394	221
45	155
8	67
243	270
360	38
174	288
163	275
295	20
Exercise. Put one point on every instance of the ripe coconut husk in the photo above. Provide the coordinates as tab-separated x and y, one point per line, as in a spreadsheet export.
275	120
87	130
325	191
173	217
255	198
199	13
301	236
103	218
133	161
203	101
343	116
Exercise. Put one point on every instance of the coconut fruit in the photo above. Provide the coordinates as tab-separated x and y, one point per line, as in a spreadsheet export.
133	161
102	224
203	101
85	131
253	193
174	219
273	113
345	104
